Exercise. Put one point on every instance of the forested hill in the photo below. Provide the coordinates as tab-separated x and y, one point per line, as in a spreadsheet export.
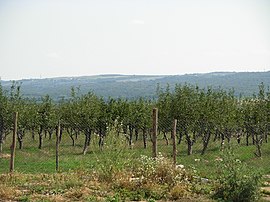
134	86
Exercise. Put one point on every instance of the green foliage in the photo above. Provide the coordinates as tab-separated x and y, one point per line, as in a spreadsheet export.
115	161
24	199
114	198
236	182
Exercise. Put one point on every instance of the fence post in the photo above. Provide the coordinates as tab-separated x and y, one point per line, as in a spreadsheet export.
174	140
13	146
155	127
57	147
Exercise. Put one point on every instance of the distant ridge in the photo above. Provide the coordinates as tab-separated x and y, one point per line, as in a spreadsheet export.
134	86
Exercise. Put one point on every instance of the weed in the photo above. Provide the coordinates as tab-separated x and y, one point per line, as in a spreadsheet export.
91	199
23	199
114	198
152	178
179	191
112	162
235	181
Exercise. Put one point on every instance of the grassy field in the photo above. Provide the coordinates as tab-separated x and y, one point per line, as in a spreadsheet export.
33	160
94	176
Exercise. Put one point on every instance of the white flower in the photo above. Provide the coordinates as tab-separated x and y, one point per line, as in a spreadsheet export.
180	166
204	180
218	159
238	160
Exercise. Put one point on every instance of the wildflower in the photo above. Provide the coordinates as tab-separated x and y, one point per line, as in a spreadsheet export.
204	180
134	179
180	166
238	160
218	159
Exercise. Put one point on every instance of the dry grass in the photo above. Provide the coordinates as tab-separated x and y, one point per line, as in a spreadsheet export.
4	156
9	193
147	178
53	187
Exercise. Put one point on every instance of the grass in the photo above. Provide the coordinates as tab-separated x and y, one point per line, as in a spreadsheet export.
92	177
33	160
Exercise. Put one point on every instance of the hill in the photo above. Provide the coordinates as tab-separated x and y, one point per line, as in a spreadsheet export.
134	86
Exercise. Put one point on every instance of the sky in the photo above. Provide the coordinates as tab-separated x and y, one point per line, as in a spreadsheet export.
53	38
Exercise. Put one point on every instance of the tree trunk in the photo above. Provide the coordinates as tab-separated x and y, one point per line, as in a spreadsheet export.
125	129
76	134
228	136
144	138
253	138
85	144
266	136
71	133
130	135
150	131
222	141
1	140
33	134
136	134
189	143
13	146
20	135
101	140
50	131
247	138
1	147
258	146
72	139
1	135
189	148
239	137
60	135
165	137
180	137
206	139
216	135
40	138
87	140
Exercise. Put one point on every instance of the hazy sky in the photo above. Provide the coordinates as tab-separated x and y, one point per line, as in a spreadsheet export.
48	38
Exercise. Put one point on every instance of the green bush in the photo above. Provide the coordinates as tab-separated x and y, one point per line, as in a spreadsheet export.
236	182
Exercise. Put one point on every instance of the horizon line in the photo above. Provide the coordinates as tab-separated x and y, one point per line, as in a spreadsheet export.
119	74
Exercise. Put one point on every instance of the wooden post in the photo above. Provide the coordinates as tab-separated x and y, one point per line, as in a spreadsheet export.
174	141
57	148
155	127
13	146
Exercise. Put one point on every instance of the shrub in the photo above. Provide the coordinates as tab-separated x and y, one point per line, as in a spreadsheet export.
160	170
153	178
236	182
179	191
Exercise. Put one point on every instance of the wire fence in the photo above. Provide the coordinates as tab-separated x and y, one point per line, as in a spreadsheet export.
67	146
